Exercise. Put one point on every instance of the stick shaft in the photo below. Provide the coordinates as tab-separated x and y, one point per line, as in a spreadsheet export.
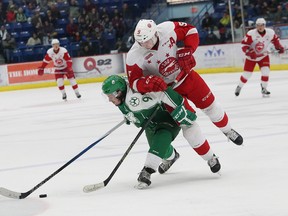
16	195
93	187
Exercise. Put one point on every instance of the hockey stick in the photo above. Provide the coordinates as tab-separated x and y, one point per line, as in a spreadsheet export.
94	187
276	52
64	72
17	195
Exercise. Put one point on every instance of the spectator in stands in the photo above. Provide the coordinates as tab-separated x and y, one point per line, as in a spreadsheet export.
2	14
130	41
88	6
20	16
72	30
225	20
93	16
3	32
211	39
43	5
251	11
50	18
237	16
121	46
8	45
10	15
55	13
119	26
3	35
11	5
223	23
37	21
74	11
85	49
29	11
272	7
48	32
104	13
83	22
280	15
126	11
33	40
207	22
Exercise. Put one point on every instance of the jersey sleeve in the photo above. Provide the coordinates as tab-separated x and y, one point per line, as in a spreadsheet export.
246	42
275	40
135	77
46	60
68	59
187	33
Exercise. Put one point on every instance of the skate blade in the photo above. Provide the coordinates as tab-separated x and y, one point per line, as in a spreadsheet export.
219	173
141	186
265	96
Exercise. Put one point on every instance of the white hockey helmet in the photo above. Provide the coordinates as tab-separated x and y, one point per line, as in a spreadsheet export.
260	21
144	30
55	41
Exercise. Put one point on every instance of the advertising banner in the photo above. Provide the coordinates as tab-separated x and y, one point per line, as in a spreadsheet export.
27	73
214	56
231	55
97	66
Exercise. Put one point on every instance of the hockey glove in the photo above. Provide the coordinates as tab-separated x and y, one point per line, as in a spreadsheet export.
40	71
154	84
183	116
186	59
281	50
69	70
251	53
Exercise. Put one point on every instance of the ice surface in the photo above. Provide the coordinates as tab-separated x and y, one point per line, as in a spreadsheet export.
39	133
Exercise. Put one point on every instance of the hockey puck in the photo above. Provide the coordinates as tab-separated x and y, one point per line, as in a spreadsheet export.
42	195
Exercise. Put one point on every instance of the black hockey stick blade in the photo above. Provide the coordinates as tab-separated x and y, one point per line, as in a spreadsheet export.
17	195
94	187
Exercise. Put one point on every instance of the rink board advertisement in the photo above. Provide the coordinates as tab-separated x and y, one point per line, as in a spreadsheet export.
96	66
28	73
231	55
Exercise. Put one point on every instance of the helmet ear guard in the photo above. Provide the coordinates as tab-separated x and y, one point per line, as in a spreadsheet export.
145	30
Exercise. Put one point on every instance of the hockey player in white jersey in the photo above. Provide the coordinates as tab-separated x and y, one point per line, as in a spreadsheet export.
255	46
63	67
155	52
163	128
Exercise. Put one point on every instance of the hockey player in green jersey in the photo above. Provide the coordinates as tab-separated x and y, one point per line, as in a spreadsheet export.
163	128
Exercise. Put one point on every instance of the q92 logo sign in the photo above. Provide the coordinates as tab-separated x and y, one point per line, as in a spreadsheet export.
91	64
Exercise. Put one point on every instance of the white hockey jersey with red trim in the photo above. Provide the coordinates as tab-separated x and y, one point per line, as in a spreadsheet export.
260	43
61	59
163	61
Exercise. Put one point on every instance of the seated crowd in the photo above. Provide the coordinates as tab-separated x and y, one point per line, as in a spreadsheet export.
275	12
84	27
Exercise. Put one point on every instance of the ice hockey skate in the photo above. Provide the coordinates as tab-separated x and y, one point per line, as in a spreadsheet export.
166	164
78	95
237	91
64	96
144	178
214	164
234	136
265	92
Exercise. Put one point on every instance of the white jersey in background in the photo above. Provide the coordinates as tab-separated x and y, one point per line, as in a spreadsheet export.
260	43
59	59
